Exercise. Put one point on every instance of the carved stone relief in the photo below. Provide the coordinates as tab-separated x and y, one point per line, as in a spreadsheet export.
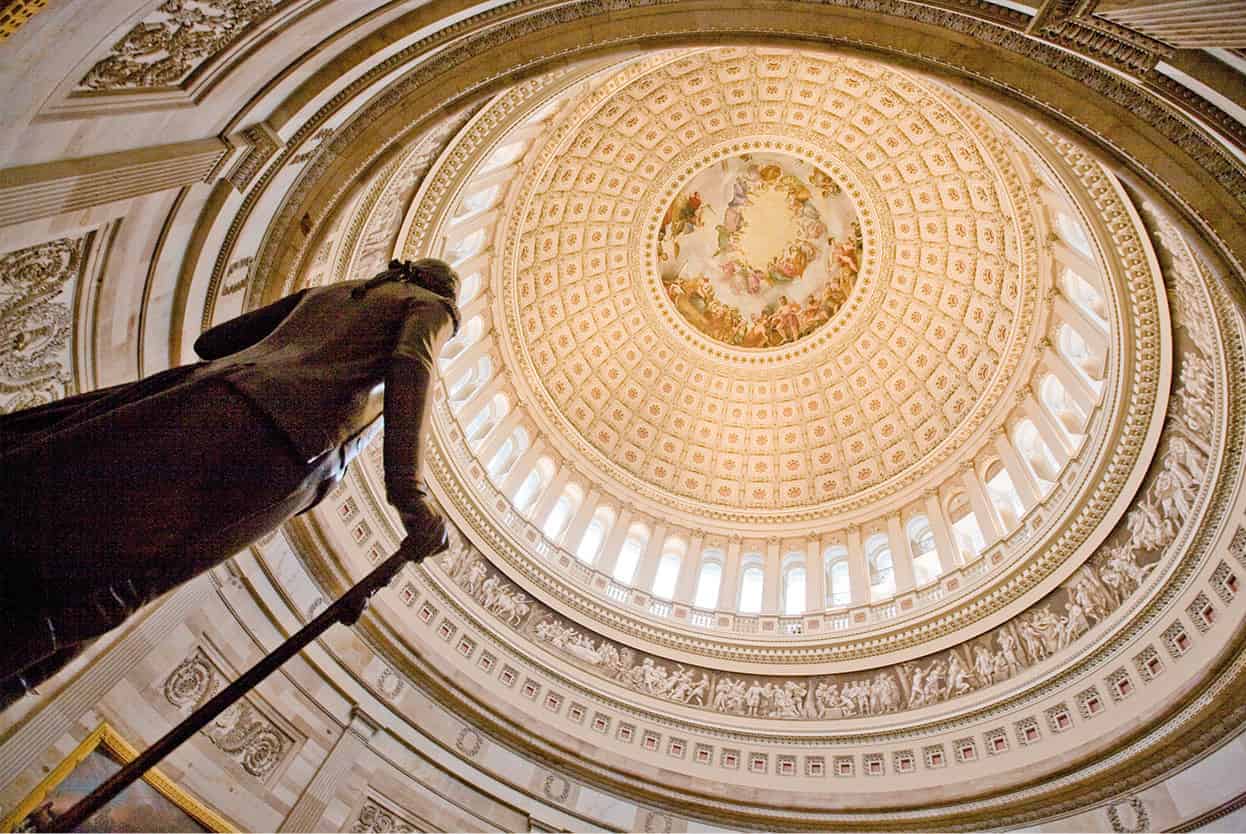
36	324
556	788
1136	813
262	144
375	818
172	41
374	231
242	732
468	742
656	823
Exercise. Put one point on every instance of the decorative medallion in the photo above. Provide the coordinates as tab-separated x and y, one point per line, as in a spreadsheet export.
759	250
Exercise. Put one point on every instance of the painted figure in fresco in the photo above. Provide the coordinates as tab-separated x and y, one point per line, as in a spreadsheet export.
1075	623
1146	525
1008	651
706	289
683	215
476	574
1031	639
845	254
111	498
917	690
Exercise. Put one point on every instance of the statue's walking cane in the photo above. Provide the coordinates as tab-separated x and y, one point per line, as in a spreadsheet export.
346	610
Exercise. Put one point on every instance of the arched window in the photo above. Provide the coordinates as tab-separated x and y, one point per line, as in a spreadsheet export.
668	568
466	246
509	452
1073	233
882	569
566	505
478	429
1062	407
1036	454
468	334
1003	494
965	528
469	289
926	567
794	590
1082	293
709	581
838	581
752	583
504	155
479	419
1074	348
497	464
629	555
594	536
479	200
530	489
470	380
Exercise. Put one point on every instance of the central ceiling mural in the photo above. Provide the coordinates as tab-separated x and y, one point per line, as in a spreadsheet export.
759	250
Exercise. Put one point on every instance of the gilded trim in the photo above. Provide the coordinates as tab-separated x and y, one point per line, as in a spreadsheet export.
114	745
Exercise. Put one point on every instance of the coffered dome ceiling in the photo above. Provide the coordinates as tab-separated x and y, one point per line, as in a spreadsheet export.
930	235
606	405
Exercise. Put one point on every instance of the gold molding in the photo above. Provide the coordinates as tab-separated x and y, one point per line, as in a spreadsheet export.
106	738
16	13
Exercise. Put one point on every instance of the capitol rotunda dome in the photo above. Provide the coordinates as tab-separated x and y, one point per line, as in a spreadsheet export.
806	411
842	433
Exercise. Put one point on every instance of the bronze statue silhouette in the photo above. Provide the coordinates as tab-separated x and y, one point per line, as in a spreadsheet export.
111	498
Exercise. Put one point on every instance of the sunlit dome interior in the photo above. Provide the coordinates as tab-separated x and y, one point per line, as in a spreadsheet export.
837	436
921	441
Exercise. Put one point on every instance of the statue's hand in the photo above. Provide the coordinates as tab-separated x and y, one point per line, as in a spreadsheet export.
426	530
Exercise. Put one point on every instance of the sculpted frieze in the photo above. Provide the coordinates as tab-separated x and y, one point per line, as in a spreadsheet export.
170	43
375	818
241	732
1128	265
36	324
464	566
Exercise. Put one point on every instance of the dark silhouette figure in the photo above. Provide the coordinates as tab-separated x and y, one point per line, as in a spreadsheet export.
111	498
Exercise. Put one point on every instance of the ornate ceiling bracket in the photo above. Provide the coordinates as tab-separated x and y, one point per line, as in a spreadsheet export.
1073	24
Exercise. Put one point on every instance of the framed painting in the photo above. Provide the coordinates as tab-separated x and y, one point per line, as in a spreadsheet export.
154	803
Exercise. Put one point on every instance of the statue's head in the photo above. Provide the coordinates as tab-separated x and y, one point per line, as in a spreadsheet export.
436	276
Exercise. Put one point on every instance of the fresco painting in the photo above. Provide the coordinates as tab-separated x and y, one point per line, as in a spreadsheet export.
759	250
